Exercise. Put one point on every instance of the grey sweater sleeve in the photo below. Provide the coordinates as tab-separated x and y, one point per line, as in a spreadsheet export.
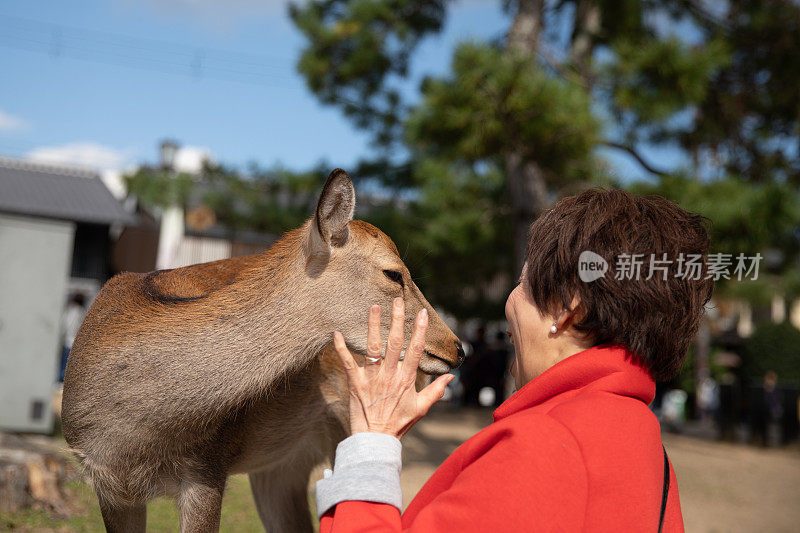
367	468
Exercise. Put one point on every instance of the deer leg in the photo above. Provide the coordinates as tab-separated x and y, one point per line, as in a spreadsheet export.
200	503
123	519
281	497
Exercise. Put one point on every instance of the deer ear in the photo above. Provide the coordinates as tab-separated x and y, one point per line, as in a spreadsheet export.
334	210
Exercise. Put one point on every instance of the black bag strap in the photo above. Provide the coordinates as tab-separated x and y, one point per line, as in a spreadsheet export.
664	491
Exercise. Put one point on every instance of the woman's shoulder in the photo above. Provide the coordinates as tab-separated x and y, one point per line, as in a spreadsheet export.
524	435
580	423
576	424
618	436
601	412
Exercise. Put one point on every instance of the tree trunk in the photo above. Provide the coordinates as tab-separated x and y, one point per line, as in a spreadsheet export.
31	476
523	37
524	177
702	352
528	193
586	27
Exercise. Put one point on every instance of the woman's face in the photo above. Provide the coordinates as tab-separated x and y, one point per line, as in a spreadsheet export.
529	331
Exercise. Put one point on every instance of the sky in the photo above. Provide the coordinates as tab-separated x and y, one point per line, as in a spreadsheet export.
100	83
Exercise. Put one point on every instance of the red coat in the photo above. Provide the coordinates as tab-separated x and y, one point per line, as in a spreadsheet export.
576	449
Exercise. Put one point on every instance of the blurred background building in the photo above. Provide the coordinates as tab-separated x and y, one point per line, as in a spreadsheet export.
55	240
63	234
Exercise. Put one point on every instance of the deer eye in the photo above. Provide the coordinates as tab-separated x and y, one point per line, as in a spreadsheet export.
395	276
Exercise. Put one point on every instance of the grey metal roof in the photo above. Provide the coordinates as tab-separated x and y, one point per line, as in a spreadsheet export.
46	191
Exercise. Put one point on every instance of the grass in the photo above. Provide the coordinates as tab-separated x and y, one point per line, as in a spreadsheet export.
238	513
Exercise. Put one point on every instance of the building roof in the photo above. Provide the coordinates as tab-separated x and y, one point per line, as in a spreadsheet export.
53	192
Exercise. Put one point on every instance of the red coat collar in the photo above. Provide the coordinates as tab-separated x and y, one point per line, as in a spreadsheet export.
606	368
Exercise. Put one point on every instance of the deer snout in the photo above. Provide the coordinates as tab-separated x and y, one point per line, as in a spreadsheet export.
442	357
460	352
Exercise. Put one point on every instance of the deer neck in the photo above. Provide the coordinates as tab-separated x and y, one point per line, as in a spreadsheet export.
285	326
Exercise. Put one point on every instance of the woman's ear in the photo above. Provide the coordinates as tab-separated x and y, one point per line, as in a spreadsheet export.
569	316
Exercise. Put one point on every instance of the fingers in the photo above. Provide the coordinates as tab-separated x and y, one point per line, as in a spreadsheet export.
434	392
374	332
373	340
395	343
350	365
416	346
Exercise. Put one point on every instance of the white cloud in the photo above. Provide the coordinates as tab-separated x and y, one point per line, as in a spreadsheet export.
110	163
190	158
11	123
84	154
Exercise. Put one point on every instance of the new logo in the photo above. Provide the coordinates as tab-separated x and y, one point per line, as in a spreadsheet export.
591	266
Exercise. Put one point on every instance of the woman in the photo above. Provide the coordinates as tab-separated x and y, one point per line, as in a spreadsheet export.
576	447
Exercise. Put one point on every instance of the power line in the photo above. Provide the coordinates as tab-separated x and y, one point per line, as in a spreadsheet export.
115	39
58	41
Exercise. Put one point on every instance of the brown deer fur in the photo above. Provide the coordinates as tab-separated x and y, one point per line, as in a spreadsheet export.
178	378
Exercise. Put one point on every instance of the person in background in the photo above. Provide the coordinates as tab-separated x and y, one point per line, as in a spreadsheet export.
730	410
576	448
497	366
474	369
767	409
707	397
71	320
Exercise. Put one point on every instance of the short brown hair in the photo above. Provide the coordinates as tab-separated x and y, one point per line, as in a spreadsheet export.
655	319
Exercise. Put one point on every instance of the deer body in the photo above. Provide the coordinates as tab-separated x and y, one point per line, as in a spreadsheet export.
178	378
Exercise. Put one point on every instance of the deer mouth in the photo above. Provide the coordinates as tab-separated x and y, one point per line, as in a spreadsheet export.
434	365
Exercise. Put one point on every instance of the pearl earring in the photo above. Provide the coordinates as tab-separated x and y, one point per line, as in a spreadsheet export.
553	329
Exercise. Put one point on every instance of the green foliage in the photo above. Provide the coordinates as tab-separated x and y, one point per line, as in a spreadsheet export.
656	80
720	80
750	117
685	378
724	88
160	188
458	238
494	103
357	47
269	201
773	347
745	219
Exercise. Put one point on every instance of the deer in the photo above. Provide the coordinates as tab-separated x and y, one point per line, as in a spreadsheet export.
179	378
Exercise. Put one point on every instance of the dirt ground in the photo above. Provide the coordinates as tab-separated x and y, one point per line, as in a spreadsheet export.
723	487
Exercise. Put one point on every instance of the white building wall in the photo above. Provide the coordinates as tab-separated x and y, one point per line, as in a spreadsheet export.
193	250
35	257
169	238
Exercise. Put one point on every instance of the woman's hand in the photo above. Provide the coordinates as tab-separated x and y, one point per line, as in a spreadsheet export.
383	398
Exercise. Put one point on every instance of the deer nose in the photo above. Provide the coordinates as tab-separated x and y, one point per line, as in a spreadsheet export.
461	354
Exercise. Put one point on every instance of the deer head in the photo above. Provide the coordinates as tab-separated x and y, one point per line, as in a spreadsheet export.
351	265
